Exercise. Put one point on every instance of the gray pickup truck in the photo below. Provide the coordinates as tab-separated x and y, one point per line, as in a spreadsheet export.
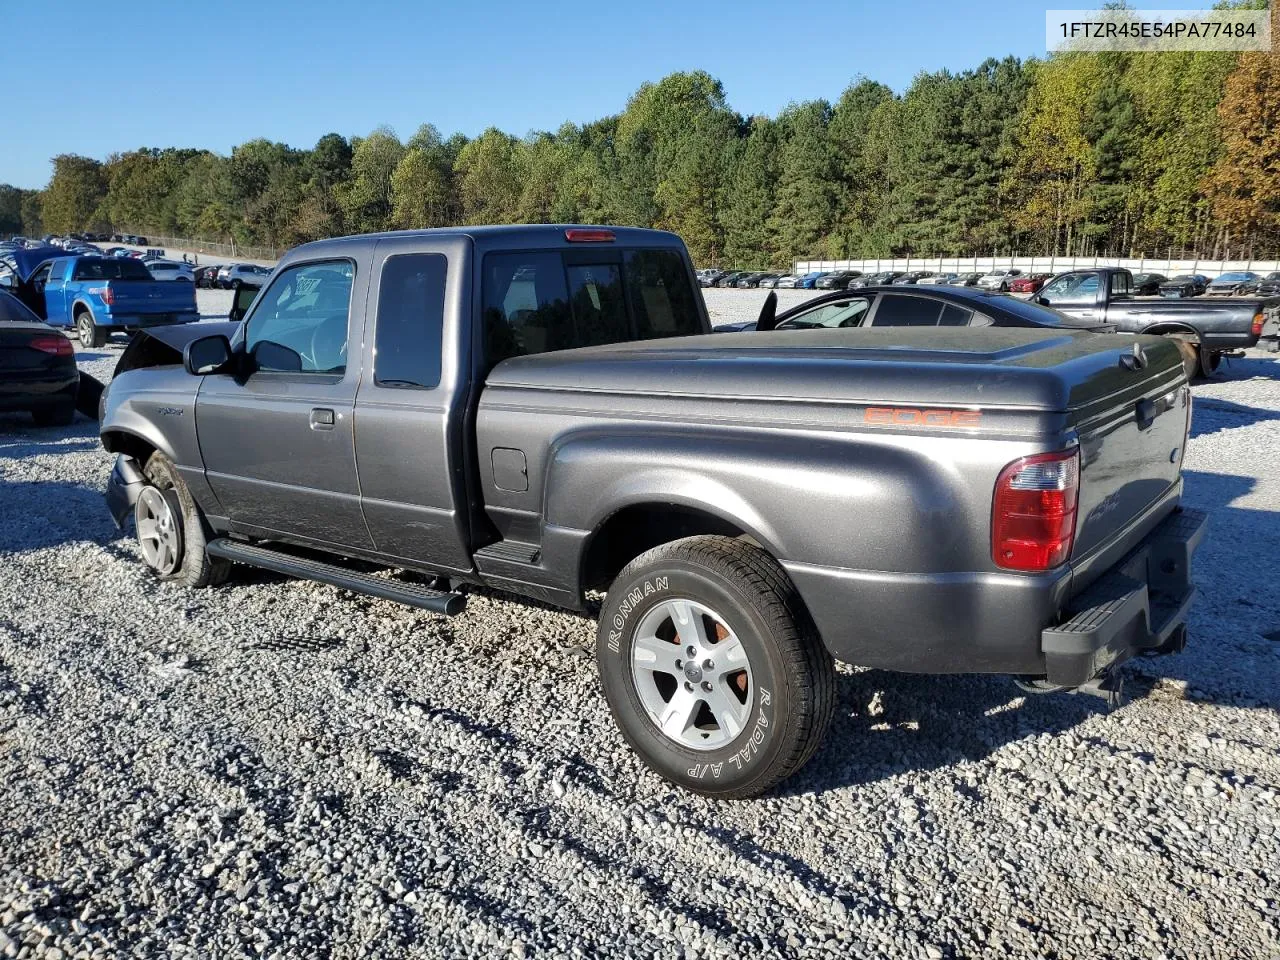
544	411
1211	328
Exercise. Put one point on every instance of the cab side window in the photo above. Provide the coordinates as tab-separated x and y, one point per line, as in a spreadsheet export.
299	324
410	321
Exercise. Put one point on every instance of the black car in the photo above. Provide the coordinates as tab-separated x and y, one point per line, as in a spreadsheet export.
910	279
1148	284
729	279
928	306
1269	286
838	280
876	279
755	279
1185	285
38	372
966	280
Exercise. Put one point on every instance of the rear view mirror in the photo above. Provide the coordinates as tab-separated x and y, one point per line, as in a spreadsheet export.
207	355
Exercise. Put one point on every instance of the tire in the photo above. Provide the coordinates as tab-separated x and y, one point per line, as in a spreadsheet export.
735	731
88	332
60	416
194	567
235	284
1207	363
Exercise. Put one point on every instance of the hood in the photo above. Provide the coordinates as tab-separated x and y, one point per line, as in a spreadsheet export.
179	335
1007	367
26	261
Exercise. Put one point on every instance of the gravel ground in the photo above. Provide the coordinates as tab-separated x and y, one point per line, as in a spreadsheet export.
282	769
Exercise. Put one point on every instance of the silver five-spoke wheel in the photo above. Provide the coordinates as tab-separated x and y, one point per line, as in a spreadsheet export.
159	532
692	674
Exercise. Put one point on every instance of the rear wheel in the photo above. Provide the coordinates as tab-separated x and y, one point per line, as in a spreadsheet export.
88	332
171	531
1207	362
712	668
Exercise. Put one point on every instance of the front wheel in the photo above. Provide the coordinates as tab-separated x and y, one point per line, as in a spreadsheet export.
712	667
171	531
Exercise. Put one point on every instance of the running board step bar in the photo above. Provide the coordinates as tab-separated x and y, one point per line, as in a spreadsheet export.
411	594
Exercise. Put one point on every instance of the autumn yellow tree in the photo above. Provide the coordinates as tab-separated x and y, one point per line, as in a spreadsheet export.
1244	185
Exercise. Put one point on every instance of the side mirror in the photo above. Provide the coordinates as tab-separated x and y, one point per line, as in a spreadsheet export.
6	281
207	355
768	318
1043	301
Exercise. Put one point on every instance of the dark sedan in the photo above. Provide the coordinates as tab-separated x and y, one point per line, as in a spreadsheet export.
966	280
729	279
928	306
1238	283
838	280
1148	284
1185	285
876	279
1269	286
38	372
753	280
910	279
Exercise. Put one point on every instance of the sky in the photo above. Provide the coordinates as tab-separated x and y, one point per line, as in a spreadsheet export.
97	78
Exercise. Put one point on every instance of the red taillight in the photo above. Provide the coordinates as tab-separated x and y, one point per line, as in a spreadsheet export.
1257	324
579	235
59	346
1033	515
108	296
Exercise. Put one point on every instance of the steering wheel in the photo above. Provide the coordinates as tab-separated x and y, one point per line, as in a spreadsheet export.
324	340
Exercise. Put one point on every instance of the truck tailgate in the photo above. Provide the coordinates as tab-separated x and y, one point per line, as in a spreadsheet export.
138	298
1133	434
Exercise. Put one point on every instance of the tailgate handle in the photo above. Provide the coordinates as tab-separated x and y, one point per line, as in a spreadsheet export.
1147	411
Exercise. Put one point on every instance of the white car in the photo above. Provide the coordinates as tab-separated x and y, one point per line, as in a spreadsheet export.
170	270
235	275
998	279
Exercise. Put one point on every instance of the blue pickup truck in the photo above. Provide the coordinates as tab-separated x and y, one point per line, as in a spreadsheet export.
95	295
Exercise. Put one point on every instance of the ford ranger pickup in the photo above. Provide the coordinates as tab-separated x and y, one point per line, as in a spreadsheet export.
543	410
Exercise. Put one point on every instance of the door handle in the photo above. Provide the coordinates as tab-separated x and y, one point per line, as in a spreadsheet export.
321	418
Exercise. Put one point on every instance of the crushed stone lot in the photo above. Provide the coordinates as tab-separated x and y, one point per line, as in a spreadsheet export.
281	769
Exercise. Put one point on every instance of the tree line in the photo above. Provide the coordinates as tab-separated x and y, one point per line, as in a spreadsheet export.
1077	154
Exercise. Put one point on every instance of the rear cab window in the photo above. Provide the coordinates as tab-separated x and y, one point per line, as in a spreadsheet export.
544	300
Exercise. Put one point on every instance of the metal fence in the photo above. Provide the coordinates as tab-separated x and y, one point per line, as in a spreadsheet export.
232	251
1048	264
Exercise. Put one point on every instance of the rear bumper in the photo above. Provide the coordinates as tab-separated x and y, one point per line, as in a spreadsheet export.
142	321
123	486
30	390
1138	606
1010	623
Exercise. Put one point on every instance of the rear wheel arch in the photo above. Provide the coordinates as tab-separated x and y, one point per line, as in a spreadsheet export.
638	527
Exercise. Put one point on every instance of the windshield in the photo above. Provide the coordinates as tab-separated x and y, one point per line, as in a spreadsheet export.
830	315
1234	277
1079	285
